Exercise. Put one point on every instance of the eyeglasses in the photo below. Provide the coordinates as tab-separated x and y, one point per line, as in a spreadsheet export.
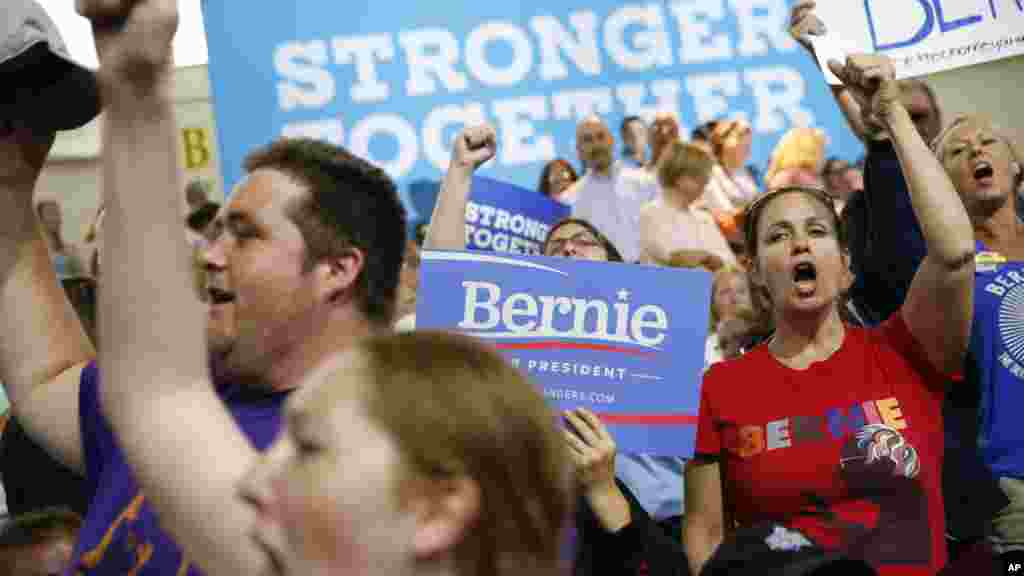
581	239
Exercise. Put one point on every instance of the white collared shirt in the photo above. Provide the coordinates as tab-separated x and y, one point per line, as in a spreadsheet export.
612	204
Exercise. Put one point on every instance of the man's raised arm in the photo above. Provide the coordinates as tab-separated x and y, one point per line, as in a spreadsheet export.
155	383
43	347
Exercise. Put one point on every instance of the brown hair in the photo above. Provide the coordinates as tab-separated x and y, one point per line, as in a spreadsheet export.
613	253
543	186
723	132
759	295
456	408
683	159
350	204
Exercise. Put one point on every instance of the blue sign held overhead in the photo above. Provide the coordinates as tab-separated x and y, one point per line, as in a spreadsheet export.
502	217
626	341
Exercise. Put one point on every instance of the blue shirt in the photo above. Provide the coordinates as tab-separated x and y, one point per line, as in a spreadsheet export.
997	362
656	481
121	533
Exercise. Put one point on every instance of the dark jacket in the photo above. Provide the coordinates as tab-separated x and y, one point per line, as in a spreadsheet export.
886	247
641	547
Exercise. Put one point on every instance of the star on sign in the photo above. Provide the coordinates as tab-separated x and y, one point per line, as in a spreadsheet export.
623	294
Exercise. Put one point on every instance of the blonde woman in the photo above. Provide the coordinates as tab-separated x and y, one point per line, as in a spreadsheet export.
797	159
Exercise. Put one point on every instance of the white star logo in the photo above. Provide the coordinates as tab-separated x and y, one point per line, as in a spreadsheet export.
623	294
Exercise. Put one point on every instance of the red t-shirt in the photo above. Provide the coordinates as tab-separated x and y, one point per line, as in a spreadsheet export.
849	451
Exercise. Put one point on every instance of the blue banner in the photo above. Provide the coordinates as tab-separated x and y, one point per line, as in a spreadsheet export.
395	83
502	217
625	340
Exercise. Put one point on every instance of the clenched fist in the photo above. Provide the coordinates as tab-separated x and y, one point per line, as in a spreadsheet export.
871	79
473	147
133	39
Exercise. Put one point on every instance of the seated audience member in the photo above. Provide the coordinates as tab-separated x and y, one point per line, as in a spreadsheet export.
887	247
556	177
672	224
66	260
655	482
847	474
38	543
633	132
607	195
731	186
730	293
797	159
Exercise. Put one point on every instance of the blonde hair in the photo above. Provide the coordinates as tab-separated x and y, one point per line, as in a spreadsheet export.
456	408
683	159
800	148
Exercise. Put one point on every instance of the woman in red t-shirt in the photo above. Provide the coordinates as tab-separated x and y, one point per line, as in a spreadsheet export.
827	429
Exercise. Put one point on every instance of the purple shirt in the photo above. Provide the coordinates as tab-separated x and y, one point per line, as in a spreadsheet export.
121	534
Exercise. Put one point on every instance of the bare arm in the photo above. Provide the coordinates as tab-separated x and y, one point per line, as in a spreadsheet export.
42	344
473	147
704	522
155	386
939	305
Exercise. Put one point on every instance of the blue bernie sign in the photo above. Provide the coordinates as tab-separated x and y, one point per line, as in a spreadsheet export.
502	217
626	341
395	83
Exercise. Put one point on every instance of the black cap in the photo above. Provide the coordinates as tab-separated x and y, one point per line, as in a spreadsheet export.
43	86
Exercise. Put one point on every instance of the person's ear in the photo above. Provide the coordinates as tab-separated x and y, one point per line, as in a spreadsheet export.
446	511
338	275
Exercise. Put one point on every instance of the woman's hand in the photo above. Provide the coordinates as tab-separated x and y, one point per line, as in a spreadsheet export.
593	452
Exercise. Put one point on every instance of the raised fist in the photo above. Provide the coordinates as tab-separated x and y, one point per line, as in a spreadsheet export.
871	80
474	146
803	23
133	39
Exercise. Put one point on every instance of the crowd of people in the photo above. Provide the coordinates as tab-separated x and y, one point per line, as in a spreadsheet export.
857	408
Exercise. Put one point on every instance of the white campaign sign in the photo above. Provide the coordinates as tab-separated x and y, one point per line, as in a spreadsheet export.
921	36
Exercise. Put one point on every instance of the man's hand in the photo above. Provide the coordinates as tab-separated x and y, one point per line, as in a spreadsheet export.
133	40
871	80
804	24
473	147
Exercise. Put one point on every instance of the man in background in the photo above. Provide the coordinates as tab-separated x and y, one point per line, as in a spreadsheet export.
633	132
